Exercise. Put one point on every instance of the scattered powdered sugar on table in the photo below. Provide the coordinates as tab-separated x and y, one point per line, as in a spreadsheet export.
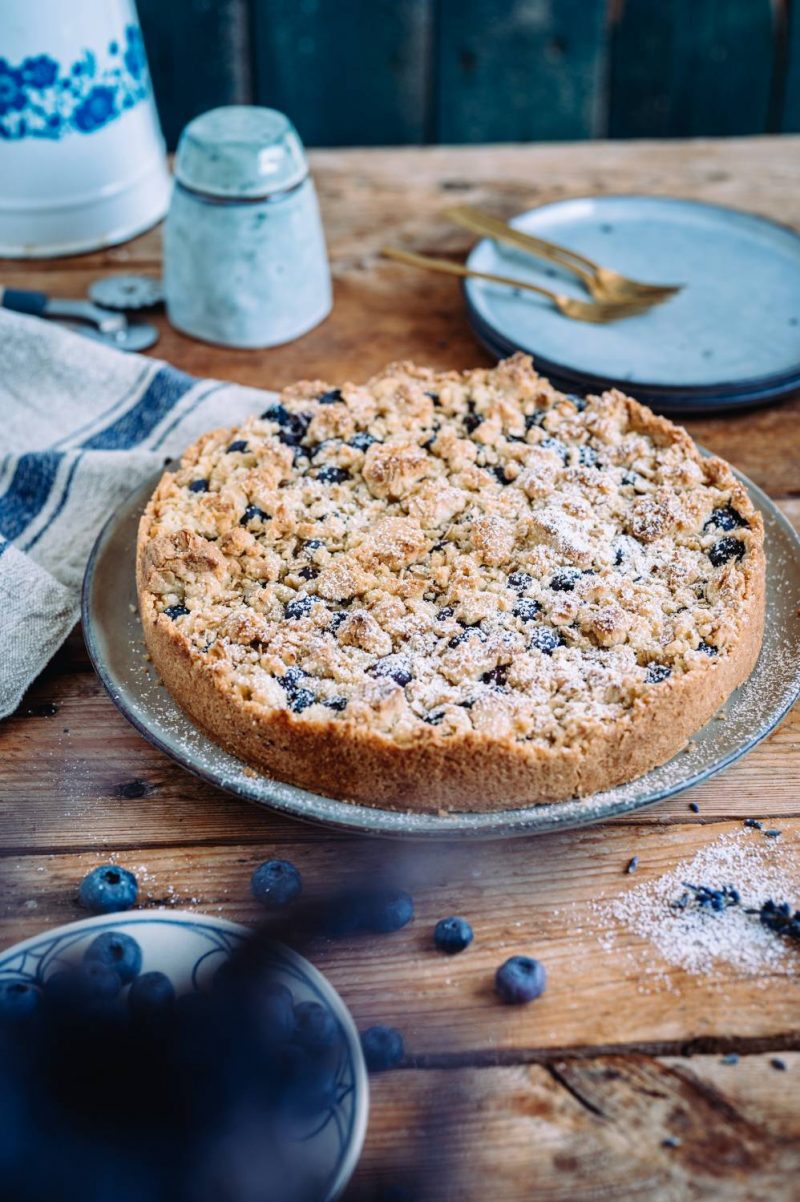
699	939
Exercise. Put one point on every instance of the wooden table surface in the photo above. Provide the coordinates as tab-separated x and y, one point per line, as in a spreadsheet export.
572	1097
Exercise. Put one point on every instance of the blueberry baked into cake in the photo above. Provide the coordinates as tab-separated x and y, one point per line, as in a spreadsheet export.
451	591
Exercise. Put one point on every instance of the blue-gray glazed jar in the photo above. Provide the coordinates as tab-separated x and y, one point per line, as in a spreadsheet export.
245	263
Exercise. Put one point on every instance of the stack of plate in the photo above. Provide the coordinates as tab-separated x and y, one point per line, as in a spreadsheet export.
729	339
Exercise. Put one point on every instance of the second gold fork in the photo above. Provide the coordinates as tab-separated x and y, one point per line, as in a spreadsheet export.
602	283
598	312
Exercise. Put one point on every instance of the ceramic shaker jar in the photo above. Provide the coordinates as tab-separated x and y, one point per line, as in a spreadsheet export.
245	263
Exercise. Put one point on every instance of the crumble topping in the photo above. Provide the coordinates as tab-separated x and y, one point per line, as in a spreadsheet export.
472	551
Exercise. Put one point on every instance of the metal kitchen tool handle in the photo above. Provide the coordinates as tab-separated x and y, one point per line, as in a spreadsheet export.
39	304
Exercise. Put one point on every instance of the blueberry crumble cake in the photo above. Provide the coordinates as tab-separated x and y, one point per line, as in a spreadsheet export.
451	591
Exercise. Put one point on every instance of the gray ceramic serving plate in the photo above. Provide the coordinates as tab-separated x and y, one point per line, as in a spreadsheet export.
114	639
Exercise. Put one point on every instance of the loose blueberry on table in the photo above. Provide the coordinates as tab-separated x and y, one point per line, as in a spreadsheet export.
382	1047
452	935
368	911
521	979
276	883
107	889
387	910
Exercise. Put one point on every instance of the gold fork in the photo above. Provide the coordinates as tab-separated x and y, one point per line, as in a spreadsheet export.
602	283
595	311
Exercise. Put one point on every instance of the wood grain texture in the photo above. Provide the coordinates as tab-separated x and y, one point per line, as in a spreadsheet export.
608	987
98	784
524	69
567	1100
355	72
347	72
199	57
588	1129
691	67
384	311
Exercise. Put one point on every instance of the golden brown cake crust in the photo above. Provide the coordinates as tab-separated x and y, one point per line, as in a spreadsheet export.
451	592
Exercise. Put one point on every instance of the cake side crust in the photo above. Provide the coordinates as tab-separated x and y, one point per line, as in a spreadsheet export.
430	769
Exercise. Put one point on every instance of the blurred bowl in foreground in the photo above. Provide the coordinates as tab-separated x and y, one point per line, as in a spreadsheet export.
325	1141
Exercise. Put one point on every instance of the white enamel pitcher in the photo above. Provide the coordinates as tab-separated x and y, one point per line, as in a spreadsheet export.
82	158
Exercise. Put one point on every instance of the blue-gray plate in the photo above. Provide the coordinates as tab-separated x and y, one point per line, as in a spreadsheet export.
114	640
676	404
730	337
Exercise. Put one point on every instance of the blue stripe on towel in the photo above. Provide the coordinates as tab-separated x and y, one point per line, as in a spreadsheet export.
73	438
3	545
59	507
162	393
184	413
28	492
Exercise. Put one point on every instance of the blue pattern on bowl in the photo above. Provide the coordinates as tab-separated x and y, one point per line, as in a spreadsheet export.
190	948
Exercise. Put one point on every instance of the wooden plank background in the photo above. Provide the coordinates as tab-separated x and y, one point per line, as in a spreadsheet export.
392	72
527	70
789	99
199	53
347	69
692	67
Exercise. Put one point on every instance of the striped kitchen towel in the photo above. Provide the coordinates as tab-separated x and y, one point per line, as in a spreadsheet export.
81	425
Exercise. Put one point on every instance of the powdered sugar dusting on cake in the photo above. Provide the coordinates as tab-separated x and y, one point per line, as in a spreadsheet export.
538	563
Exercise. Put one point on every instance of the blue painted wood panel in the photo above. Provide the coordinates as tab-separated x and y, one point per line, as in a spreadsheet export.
347	72
790	92
519	70
387	72
691	67
199	55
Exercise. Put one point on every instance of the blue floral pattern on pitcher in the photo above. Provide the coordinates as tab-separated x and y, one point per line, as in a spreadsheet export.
41	99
